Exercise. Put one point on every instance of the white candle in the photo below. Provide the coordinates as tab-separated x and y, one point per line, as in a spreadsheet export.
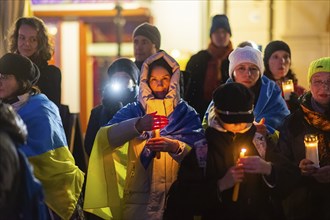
287	88
311	147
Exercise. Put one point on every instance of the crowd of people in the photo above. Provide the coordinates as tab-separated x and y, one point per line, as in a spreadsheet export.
218	140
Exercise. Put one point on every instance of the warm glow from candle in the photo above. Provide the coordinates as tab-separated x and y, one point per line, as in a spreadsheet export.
157	134
242	153
287	88
311	147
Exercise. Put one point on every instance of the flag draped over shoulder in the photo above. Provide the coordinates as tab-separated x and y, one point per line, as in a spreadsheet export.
107	165
46	149
183	122
105	178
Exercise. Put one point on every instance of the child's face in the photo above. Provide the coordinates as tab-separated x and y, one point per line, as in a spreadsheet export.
159	82
237	127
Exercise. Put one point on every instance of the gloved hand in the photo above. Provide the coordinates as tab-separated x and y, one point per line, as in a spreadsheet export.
293	102
12	123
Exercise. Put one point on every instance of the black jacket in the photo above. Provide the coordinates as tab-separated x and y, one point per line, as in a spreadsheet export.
196	194
50	82
310	199
100	116
194	80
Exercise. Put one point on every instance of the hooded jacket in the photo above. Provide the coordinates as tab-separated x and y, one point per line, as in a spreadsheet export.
119	186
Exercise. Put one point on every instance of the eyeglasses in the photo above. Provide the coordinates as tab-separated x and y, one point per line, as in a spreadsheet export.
319	83
251	70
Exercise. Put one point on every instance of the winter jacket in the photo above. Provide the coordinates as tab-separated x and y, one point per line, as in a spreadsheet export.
194	87
128	189
310	199
49	82
195	194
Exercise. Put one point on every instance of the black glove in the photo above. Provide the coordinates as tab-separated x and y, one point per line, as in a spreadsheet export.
11	123
293	102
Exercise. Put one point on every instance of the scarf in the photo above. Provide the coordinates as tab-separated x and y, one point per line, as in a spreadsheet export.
19	101
213	75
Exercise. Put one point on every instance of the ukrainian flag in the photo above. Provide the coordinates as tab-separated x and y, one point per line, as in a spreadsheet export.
47	150
106	178
107	168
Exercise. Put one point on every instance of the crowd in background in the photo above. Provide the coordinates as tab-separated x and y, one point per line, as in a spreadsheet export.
222	139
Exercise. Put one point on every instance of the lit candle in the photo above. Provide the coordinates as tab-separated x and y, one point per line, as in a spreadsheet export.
157	134
236	188
242	153
311	147
287	88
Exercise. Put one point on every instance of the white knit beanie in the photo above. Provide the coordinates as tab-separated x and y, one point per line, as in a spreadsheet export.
245	54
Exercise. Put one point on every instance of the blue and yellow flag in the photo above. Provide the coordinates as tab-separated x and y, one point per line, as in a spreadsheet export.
47	151
107	165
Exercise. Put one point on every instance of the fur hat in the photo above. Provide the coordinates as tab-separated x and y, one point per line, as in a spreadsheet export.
319	65
149	31
20	66
272	47
124	65
220	21
245	54
233	103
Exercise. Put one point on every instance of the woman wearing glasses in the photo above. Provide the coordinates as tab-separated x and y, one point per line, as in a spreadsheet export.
246	67
311	196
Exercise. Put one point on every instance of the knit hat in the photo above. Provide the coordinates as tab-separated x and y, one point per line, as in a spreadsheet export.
124	65
317	66
20	66
149	31
272	47
233	103
245	54
220	21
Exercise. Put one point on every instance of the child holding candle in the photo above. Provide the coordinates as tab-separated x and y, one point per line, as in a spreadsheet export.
125	179
257	171
311	122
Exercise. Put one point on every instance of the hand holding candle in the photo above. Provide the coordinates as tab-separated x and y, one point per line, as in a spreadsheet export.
236	187
287	88
159	121
311	147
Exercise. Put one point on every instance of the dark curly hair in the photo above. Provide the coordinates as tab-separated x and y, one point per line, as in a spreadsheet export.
45	48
